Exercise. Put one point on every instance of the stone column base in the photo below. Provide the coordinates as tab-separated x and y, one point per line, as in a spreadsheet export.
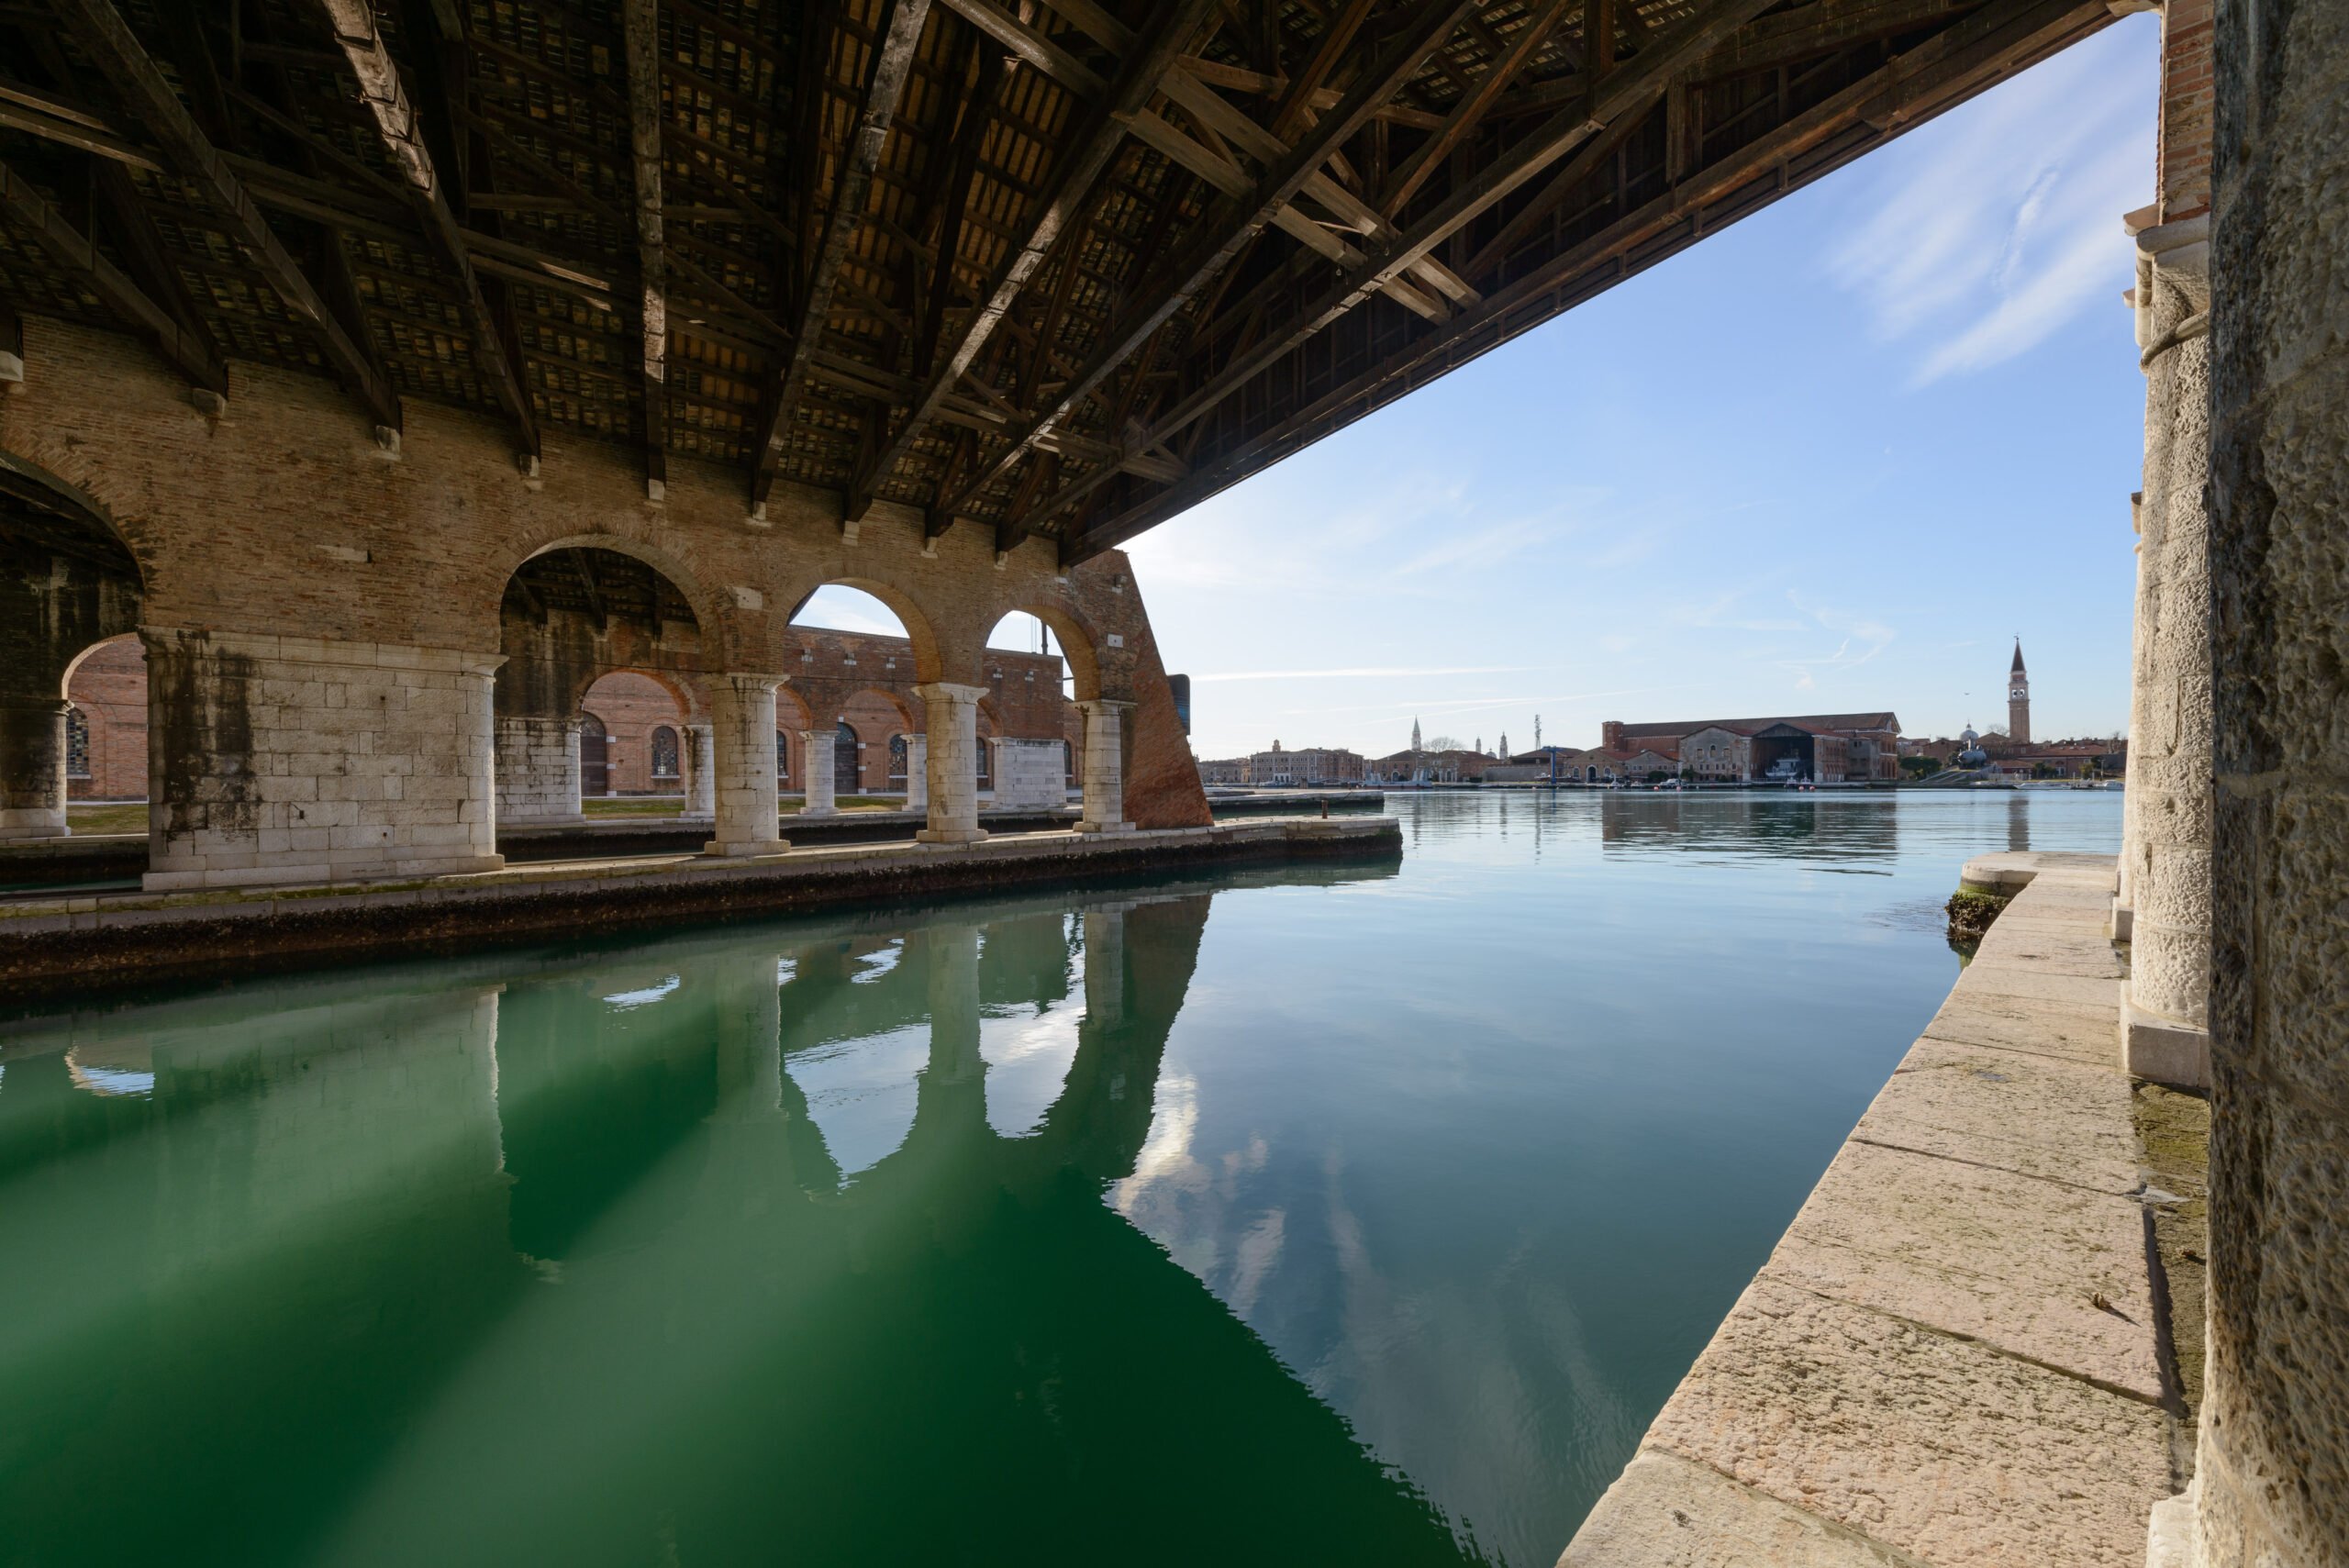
817	811
2124	919
266	870
950	835
1104	826
2163	1050
33	822
735	850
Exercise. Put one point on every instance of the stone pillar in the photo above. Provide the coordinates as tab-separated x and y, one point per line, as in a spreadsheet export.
2165	1004
32	767
741	711
277	760
817	762
917	773
701	772
2272	1471
1105	767
538	770
952	765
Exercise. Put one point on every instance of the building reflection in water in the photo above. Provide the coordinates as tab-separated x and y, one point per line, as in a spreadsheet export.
778	1244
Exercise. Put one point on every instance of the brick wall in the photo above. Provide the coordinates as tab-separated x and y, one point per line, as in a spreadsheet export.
631	706
109	688
2187	107
281	517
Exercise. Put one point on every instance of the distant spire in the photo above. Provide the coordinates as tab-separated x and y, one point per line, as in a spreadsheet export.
1415	733
2016	668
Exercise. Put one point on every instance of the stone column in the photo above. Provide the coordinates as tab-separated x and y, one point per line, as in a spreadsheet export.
277	760
952	765
538	770
817	762
1105	767
2165	1004
741	712
701	793
917	773
32	767
2273	1440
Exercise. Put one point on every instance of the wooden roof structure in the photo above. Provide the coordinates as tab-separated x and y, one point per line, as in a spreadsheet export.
1047	267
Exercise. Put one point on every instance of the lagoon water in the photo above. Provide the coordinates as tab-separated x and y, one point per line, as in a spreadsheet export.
1359	1213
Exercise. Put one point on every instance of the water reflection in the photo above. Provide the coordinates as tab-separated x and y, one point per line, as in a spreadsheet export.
713	1249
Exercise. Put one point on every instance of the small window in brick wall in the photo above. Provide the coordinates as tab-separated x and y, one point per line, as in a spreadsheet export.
77	744
782	757
897	759
1068	763
664	752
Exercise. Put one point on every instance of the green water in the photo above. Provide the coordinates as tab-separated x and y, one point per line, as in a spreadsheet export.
1359	1214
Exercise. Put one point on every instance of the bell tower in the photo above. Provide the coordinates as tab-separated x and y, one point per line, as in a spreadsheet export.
2019	700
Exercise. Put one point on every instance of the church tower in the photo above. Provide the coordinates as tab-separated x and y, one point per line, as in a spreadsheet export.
1415	730
2019	700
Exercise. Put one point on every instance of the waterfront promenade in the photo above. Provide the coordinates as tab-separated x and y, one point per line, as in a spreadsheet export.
1952	1356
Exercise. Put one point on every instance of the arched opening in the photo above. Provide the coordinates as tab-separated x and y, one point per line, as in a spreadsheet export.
643	720
105	732
603	652
1038	665
68	586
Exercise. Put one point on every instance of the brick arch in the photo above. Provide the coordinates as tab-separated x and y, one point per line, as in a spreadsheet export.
85	487
1081	645
921	626
708	606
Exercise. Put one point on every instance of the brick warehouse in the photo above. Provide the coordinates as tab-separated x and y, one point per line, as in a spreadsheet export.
361	659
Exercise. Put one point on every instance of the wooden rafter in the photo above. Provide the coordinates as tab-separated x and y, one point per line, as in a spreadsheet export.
386	97
1909	88
892	65
1229	231
1626	91
640	24
1096	145
186	346
107	38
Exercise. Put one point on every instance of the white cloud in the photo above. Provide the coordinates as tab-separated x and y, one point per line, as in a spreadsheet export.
1992	231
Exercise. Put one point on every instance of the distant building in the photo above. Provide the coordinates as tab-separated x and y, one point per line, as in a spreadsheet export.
1824	748
1224	770
2018	699
1281	768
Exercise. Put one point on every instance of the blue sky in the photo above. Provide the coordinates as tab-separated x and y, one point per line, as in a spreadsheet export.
1833	457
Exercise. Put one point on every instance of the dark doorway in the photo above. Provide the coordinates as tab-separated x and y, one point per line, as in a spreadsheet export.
594	757
845	772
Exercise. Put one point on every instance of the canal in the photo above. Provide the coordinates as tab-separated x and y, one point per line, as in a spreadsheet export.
1350	1214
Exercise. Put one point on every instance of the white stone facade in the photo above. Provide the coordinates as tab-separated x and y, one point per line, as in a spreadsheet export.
1029	773
291	759
538	770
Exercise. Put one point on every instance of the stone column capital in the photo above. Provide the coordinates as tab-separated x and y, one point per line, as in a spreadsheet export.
748	682
948	691
1090	706
47	705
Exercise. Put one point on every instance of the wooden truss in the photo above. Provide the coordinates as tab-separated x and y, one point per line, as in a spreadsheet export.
1060	268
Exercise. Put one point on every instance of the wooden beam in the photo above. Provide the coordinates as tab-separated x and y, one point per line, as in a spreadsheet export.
892	65
1095	145
32	216
1234	224
1936	75
641	28
115	50
1629	90
1422	163
353	24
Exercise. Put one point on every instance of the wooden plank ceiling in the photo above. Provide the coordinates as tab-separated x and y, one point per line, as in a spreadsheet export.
1045	267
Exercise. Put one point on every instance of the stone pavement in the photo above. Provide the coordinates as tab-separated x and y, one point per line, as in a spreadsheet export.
1950	1358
